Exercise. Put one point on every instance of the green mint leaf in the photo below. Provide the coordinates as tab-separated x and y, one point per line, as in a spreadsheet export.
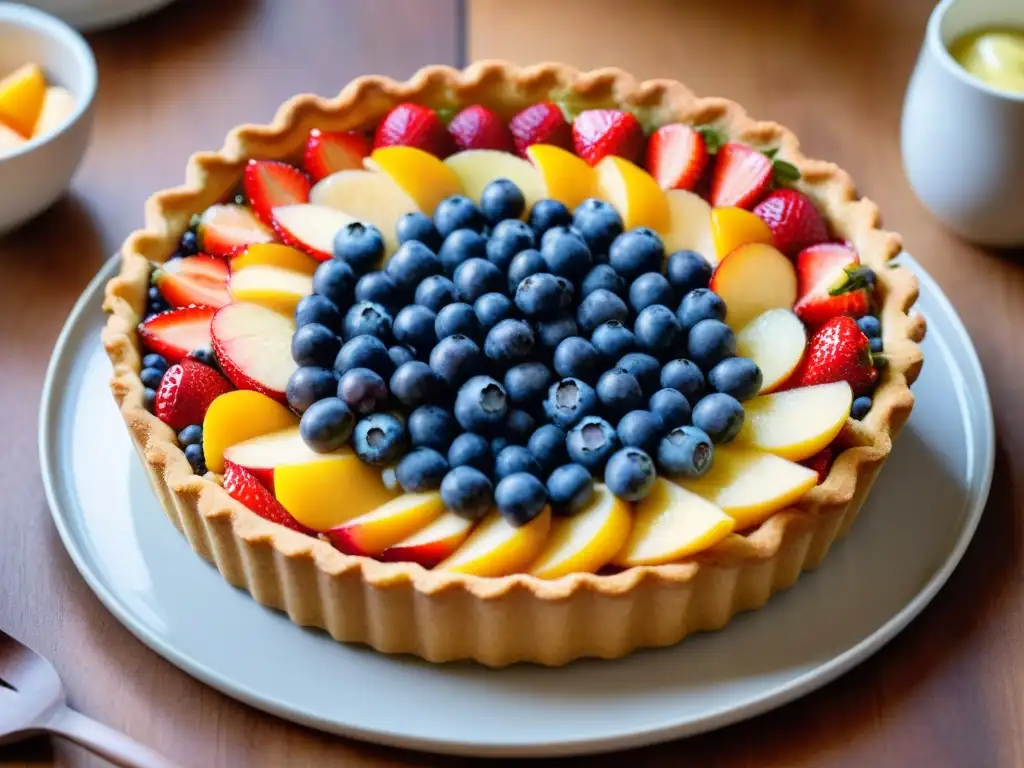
785	173
770	153
713	140
193	223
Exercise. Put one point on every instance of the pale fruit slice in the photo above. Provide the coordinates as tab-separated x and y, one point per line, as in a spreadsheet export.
335	487
776	341
421	176
750	485
634	193
237	416
253	345
797	423
58	106
689	225
223	228
311	227
274	255
21	98
498	548
263	454
388	524
565	177
272	287
430	546
10	140
476	168
367	196
670	524
587	540
732	227
753	279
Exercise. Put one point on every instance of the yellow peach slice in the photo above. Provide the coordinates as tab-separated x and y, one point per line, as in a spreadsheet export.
237	416
689	225
272	287
21	98
476	168
274	255
753	279
797	423
372	533
10	140
432	544
732	227
498	548
634	193
366	196
776	341
58	106
421	176
261	455
670	524
587	540
566	178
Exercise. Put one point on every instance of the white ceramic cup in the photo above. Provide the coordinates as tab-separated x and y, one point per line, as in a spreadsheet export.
962	140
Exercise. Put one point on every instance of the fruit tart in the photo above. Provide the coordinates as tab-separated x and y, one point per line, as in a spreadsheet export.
512	364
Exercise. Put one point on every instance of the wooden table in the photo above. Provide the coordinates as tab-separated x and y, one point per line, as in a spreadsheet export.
947	692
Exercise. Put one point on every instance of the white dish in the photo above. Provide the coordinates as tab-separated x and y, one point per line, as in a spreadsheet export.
89	15
906	542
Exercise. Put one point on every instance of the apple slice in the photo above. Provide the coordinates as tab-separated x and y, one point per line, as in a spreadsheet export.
797	423
261	455
476	168
587	540
670	524
311	228
689	225
776	341
223	228
750	485
424	178
274	255
732	227
237	416
753	279
369	196
431	545
272	287
58	106
634	193
388	524
498	548
253	345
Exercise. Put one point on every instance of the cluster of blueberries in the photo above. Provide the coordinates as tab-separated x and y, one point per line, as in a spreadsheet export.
154	367
530	356
871	327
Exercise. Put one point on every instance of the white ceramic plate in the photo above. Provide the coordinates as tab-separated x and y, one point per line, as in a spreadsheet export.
910	535
89	15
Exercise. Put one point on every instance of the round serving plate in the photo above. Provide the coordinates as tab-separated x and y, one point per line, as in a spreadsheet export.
90	15
910	535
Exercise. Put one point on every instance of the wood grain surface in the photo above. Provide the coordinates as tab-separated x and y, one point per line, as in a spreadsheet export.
947	692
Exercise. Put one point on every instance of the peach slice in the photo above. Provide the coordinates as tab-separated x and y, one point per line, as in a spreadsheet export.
10	140
776	341
433	544
565	177
274	255
311	227
797	423
670	524
21	98
263	454
689	225
272	287
634	193
753	279
253	345
750	485
587	540
237	416
58	106
498	548
368	196
732	227
372	533
476	168
421	176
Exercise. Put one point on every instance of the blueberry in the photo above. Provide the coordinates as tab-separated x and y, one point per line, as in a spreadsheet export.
507	239
491	308
205	356
860	408
309	385
640	429
870	326
630	474
547	214
196	458
191	435
671	406
547	444
603	277
481	404
645	368
591	443
461	246
510	341
598	222
500	200
379	439
498	444
421	470
336	281
687	271
315	344
637	251
149	398
317	309
418	226
359	245
326	425
568	401
684	376
364	352
657	330
520	498
576	357
414	326
513	459
613	340
151	377
736	376
476	277
431	426
551	333
435	292
526	383
519	425
719	416
414	383
378	287
648	289
457	318
189	243
566	253
700	304
367	318
455	359
471	450
524	264
400	354
155	361
467	492
363	391
685	452
875	345
412	263
709	343
543	296
570	488
600	306
458	212
619	392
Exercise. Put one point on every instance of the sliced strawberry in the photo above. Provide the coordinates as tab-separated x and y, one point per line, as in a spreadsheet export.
244	488
597	133
269	184
793	219
199	279
477	127
413	125
224	228
328	153
186	391
838	351
830	283
540	123
821	462
177	333
742	176
676	156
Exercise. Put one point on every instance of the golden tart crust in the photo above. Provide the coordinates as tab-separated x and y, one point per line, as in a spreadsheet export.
404	608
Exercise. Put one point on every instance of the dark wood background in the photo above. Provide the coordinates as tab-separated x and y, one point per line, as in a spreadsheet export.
949	691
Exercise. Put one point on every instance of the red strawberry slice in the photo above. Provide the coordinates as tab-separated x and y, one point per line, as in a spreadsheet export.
676	156
269	184
186	391
178	332
225	228
821	462
413	125
830	283
597	133
793	219
838	351
199	279
477	127
742	175
540	123
328	153
244	488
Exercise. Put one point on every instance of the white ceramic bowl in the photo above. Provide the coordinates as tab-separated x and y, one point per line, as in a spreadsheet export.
87	15
36	175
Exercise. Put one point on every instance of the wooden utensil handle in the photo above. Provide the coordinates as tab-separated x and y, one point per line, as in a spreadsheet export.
105	741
